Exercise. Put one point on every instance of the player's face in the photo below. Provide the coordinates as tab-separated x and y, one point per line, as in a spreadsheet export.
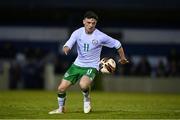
89	24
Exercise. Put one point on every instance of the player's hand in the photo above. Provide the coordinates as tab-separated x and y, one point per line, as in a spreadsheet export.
66	50
123	61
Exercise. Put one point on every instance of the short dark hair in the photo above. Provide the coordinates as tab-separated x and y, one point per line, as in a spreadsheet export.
91	14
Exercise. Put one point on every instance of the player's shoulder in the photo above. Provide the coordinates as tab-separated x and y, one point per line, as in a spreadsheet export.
77	31
99	33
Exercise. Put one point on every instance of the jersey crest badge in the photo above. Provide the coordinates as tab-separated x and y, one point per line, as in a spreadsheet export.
94	42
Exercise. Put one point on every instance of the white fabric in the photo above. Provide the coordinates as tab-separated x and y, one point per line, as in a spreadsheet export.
89	46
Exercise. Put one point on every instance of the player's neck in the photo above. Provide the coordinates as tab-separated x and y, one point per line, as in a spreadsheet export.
89	32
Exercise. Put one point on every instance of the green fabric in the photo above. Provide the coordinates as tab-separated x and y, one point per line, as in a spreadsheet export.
62	95
74	73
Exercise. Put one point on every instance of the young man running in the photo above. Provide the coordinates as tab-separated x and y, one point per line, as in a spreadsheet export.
89	41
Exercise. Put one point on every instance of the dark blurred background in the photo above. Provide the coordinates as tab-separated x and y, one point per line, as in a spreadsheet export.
32	33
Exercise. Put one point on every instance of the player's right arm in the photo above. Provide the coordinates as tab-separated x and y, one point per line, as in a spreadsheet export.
69	44
66	50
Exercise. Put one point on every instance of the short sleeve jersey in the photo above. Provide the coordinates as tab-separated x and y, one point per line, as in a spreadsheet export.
89	46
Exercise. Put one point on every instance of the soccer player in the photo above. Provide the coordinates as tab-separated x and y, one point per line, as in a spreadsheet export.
89	42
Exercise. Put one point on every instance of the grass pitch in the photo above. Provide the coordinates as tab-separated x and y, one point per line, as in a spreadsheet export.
37	104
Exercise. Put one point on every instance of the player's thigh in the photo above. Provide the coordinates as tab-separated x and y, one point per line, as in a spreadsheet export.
85	81
72	74
88	76
64	85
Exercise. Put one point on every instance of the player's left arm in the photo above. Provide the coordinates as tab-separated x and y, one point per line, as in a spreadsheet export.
111	42
122	56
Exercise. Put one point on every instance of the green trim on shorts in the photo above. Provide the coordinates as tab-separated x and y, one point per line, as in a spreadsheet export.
74	73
